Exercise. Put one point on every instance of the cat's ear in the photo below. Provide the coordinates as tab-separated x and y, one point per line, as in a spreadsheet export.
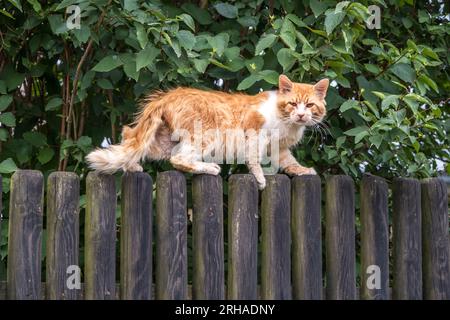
321	87
284	84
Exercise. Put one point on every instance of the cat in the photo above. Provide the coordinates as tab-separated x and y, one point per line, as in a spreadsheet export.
289	110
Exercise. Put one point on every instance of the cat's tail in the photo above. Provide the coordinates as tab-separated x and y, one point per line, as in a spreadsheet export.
135	146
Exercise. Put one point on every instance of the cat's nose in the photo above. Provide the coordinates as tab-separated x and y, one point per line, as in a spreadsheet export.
300	116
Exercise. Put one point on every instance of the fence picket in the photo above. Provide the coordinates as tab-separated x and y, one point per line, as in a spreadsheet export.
25	235
136	237
242	237
100	237
306	238
276	239
374	238
340	238
208	246
436	251
407	240
63	189
171	236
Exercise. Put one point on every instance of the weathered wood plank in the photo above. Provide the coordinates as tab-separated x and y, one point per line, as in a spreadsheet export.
407	240
100	237
63	190
136	237
306	238
208	246
374	238
436	251
276	239
171	236
242	237
25	235
340	238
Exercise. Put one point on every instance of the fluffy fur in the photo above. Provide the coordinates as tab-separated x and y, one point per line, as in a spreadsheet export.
289	109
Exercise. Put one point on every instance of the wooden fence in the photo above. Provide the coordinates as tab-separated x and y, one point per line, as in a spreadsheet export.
289	215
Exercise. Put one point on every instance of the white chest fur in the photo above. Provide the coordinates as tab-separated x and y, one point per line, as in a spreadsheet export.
268	109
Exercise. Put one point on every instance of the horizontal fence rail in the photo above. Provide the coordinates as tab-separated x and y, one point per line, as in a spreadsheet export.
274	244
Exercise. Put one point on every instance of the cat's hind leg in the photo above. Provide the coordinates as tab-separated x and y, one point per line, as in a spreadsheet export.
186	158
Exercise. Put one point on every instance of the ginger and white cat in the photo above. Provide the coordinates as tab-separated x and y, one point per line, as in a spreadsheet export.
289	110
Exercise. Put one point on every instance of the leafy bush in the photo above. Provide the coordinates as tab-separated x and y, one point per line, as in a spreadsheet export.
62	91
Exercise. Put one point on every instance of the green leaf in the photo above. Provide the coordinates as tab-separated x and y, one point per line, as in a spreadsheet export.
130	5
349	104
186	39
8	119
57	24
8	166
249	81
264	43
269	76
45	155
388	101
105	84
3	134
17	4
65	4
376	140
3	89
429	82
372	68
36	5
141	35
187	19
219	43
201	64
53	104
108	63
318	7
202	16
356	131
361	136
332	20
36	139
403	71
286	58
5	101
145	57
227	10
5	13
130	68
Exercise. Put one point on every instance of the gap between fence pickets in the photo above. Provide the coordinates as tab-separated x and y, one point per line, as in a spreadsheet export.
3	285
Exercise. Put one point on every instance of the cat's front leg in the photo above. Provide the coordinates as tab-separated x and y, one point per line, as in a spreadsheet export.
291	167
258	172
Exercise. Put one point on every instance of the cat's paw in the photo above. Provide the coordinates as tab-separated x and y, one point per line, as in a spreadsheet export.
299	171
209	168
260	181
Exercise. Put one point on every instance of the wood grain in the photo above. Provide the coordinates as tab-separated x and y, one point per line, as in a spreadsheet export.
374	238
208	247
242	237
171	236
276	239
306	238
25	235
63	190
136	237
407	240
436	249
100	237
340	238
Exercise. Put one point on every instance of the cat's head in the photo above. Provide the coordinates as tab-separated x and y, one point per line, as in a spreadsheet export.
301	103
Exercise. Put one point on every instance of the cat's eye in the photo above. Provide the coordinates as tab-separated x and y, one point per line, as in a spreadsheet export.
293	103
310	105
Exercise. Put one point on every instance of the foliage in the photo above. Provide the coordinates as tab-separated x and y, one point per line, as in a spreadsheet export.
62	91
